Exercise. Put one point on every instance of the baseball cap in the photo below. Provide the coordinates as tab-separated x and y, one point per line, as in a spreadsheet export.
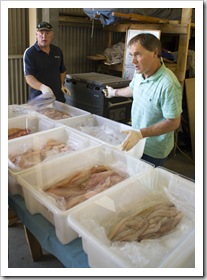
44	26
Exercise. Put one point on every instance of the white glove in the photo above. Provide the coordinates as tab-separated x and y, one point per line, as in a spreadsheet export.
132	139
46	91
65	90
109	92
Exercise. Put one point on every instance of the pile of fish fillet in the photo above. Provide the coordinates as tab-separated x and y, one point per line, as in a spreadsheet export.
54	114
151	221
17	132
33	156
84	184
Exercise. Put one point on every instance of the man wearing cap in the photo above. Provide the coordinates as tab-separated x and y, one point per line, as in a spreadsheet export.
44	67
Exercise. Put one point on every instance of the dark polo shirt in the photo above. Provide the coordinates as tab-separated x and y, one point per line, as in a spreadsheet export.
45	68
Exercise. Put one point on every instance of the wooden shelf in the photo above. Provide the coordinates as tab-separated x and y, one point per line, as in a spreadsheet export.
119	67
181	29
112	67
173	27
165	28
78	21
143	18
96	57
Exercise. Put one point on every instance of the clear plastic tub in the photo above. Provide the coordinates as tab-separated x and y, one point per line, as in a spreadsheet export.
106	130
37	179
60	107
35	143
33	123
16	110
93	220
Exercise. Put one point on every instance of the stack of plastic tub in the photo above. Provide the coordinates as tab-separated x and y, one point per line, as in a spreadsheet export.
94	219
107	131
21	117
36	147
39	178
26	118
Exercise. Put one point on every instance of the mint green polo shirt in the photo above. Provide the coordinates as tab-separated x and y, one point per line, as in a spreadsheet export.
155	99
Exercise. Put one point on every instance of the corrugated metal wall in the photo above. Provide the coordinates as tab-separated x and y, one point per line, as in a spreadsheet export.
17	30
75	42
17	42
72	11
17	85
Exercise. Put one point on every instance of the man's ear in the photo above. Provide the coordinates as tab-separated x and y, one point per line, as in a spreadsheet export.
156	52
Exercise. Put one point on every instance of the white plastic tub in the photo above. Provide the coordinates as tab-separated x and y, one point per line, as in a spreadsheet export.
35	180
33	122
73	112
75	142
16	110
177	249
106	130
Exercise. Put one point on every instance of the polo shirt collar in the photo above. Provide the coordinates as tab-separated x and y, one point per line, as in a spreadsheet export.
37	47
156	75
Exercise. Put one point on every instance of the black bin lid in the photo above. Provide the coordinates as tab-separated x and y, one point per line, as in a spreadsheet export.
100	79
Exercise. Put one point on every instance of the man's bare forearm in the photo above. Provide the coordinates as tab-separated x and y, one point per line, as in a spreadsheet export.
33	82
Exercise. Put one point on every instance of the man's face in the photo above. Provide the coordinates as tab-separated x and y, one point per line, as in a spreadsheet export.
44	38
142	59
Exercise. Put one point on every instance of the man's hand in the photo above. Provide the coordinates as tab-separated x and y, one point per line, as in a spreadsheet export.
132	139
65	90
47	97
46	91
109	92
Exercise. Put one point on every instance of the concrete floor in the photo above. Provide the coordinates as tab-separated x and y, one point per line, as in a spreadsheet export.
182	164
19	254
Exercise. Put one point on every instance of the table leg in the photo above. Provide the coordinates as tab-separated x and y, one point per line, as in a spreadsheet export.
34	245
12	217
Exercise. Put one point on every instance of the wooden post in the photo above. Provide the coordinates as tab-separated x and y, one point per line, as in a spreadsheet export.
183	45
108	42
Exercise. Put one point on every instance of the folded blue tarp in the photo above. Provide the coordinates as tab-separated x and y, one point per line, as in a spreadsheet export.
106	18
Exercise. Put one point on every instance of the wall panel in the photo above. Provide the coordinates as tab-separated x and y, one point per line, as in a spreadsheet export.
18	38
18	30
76	44
72	11
17	85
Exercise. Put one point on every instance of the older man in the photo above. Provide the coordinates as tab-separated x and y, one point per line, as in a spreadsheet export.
44	67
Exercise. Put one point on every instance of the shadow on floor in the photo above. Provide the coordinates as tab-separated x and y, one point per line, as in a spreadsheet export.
181	164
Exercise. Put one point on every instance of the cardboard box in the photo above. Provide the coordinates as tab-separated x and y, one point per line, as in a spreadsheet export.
190	97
